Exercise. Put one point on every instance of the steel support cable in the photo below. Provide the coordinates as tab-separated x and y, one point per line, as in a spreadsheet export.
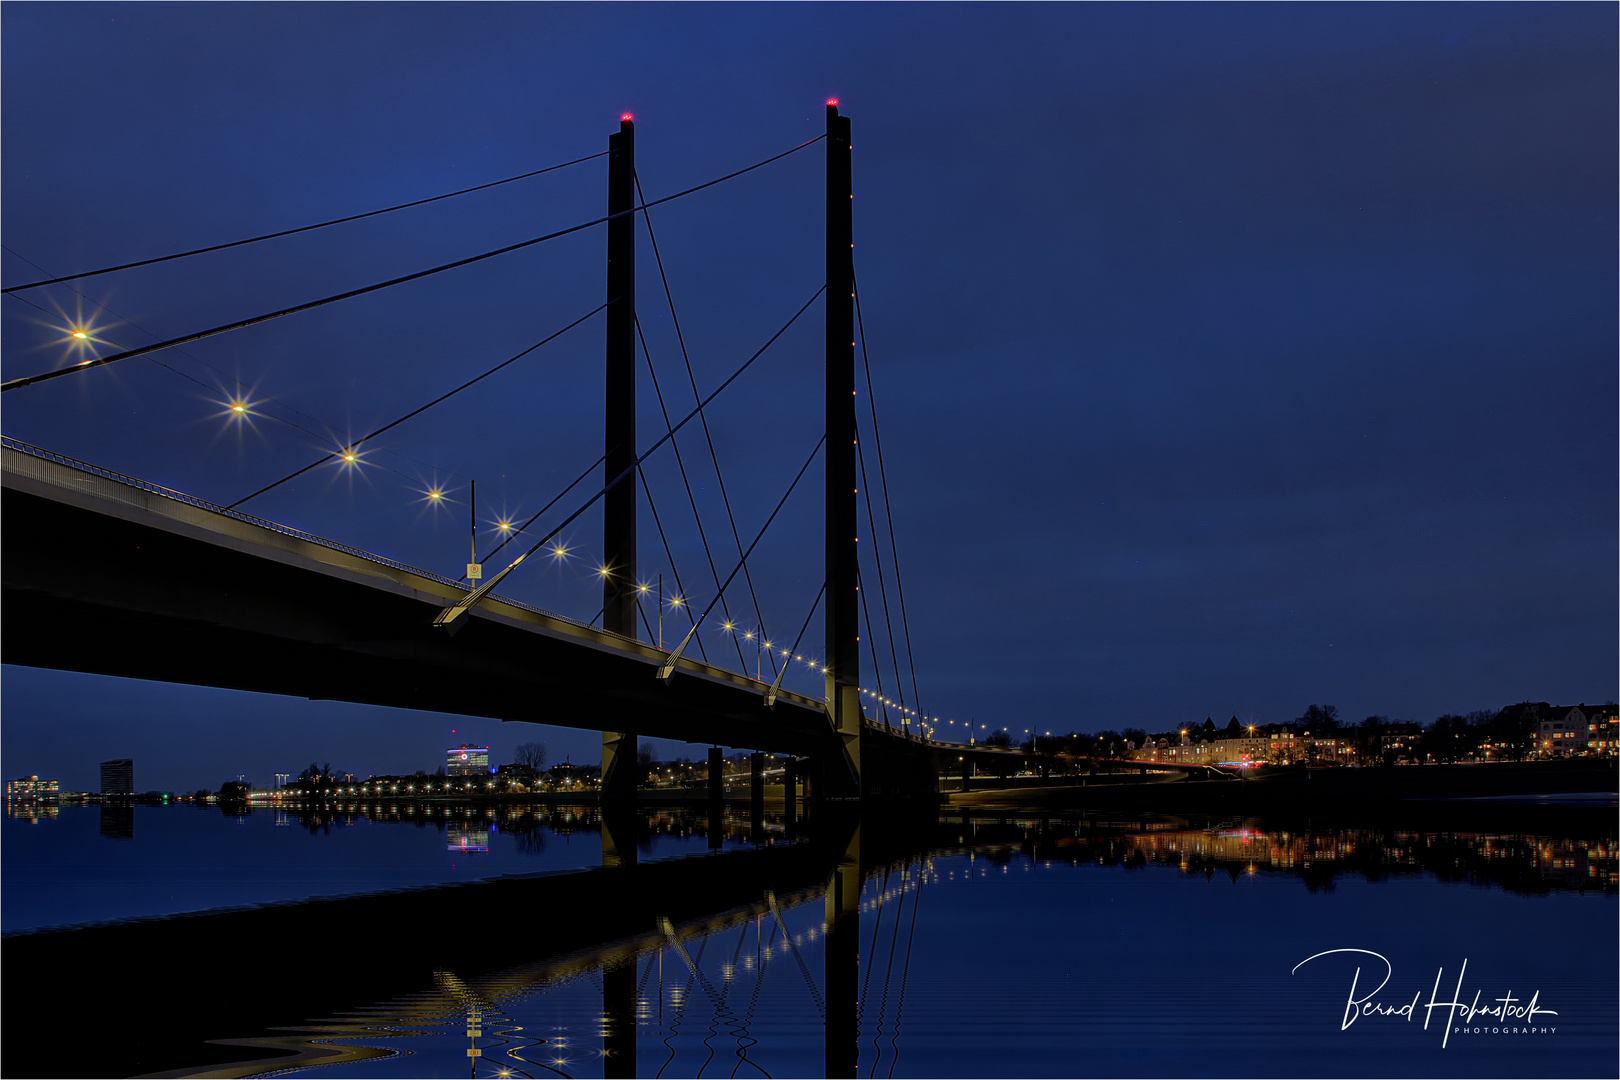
669	664
883	591
717	998
170	367
537	1064
449	614
646	973
871	633
86	365
787	661
714	457
883	476
679	1011
905	970
651	636
142	329
722	1011
793	947
300	229
739	1025
616	594
877	924
722	1014
353	446
680	589
747	1041
515	533
258	409
680	461
888	972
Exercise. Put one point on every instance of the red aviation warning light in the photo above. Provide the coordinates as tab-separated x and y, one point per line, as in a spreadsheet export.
627	117
832	101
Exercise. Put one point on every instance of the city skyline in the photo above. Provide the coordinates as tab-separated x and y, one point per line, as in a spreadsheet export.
1227	361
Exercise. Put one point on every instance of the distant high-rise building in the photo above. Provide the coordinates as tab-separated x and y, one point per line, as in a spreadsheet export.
467	760
118	776
118	821
281	780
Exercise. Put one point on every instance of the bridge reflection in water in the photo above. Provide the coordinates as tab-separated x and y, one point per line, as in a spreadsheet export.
795	957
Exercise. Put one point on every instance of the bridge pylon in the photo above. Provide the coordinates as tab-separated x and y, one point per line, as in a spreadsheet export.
619	504
841	777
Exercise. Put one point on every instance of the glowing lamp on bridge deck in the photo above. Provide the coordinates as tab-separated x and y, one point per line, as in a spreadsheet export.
435	494
81	335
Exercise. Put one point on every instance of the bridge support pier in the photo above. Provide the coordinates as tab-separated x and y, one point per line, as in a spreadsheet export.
967	775
717	798
619	765
756	796
790	791
619	835
842	976
619	1020
717	776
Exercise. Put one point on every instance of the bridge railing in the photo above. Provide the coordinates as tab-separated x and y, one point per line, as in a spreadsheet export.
285	530
40	453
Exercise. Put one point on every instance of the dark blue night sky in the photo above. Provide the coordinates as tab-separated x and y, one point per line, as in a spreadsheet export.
1229	358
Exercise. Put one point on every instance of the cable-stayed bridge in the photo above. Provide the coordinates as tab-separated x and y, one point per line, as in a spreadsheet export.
113	574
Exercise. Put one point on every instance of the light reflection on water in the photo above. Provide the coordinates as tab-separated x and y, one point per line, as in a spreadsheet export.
60	869
1025	946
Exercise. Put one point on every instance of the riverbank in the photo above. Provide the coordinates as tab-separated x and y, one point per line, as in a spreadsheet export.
1294	788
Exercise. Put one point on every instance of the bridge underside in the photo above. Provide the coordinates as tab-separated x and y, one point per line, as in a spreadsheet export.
105	579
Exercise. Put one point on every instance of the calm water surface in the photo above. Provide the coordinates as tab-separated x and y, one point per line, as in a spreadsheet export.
991	946
88	863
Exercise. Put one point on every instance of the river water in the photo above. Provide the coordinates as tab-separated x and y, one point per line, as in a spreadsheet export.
987	945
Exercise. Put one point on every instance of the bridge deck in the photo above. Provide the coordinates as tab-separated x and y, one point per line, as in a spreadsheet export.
108	574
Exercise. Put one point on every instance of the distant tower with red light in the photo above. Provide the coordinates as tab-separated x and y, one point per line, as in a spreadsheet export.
466	760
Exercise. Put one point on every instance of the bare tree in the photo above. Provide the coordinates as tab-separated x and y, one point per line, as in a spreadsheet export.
532	754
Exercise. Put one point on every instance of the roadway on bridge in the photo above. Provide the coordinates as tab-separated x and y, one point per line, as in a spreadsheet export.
110	575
